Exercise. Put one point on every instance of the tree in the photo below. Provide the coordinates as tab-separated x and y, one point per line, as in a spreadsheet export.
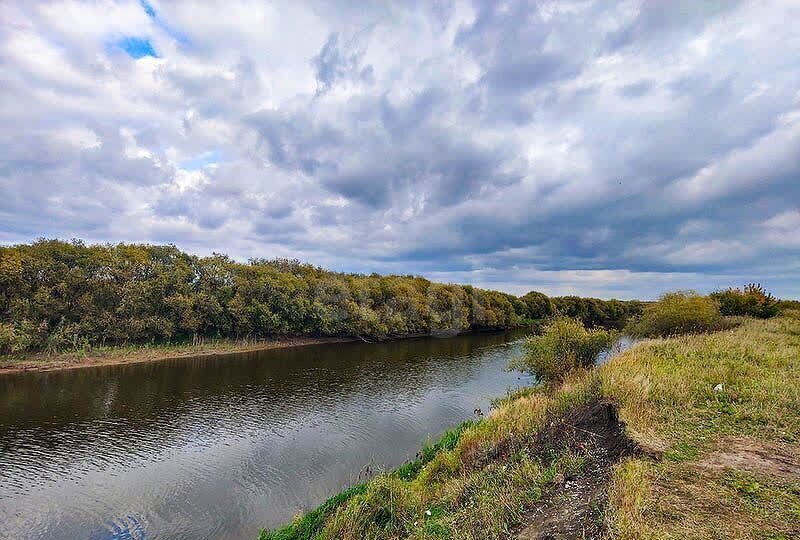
539	305
61	295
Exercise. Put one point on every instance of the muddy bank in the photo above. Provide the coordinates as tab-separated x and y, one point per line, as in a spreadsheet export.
116	356
574	506
122	355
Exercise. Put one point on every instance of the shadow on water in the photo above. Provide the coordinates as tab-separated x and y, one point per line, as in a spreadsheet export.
218	447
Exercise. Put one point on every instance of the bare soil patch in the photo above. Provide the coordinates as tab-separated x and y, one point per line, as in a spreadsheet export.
753	456
574	507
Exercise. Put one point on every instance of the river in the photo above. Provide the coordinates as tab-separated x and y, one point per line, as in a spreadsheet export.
220	447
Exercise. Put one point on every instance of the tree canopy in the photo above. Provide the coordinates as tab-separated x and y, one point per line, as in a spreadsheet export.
57	295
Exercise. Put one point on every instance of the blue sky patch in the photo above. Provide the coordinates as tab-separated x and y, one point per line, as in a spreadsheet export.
176	34
148	8
136	47
201	161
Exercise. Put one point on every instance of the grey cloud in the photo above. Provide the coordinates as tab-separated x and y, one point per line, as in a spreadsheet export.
612	146
637	89
656	22
334	62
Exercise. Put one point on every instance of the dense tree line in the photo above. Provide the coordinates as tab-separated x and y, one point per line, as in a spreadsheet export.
592	312
595	313
57	295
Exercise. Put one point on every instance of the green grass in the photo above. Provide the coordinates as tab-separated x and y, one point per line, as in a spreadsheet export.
446	442
481	479
667	397
307	525
475	482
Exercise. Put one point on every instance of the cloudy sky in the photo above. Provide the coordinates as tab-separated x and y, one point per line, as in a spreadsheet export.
616	149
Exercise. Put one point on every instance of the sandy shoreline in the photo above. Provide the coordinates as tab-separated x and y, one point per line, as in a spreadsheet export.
110	357
120	355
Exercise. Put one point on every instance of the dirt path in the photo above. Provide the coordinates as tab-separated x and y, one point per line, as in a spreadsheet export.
749	455
574	507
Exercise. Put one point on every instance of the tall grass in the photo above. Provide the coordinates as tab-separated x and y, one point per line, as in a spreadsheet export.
689	396
476	482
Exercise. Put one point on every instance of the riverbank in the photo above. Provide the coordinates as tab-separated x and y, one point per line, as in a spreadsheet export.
694	436
115	355
108	356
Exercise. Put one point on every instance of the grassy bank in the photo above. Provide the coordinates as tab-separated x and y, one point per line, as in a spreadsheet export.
709	461
731	456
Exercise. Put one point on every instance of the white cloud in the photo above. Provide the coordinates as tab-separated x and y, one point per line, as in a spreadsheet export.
587	146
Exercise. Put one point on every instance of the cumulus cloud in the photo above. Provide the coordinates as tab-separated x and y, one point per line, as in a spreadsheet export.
588	147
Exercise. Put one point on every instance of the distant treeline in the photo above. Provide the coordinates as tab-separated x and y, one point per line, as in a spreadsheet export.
57	295
592	312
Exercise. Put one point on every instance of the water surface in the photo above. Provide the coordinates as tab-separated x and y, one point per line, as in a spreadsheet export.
219	447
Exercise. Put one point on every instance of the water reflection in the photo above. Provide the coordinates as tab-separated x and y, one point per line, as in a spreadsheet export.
219	447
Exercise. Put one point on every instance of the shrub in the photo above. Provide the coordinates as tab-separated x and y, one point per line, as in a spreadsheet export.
754	301
7	338
13	340
564	345
679	312
594	312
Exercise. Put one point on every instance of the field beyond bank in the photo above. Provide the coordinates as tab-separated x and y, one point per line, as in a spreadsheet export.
709	447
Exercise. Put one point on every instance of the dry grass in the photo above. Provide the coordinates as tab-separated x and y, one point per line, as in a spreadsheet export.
667	397
480	488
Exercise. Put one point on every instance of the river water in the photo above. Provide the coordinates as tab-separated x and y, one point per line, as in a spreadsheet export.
220	447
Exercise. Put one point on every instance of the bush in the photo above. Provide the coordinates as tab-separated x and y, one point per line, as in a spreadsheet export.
7	338
564	345
593	312
13	340
753	301
679	312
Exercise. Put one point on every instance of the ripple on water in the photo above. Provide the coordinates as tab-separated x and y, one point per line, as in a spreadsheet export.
220	447
122	528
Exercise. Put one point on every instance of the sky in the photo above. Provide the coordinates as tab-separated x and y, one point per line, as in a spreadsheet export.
610	149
